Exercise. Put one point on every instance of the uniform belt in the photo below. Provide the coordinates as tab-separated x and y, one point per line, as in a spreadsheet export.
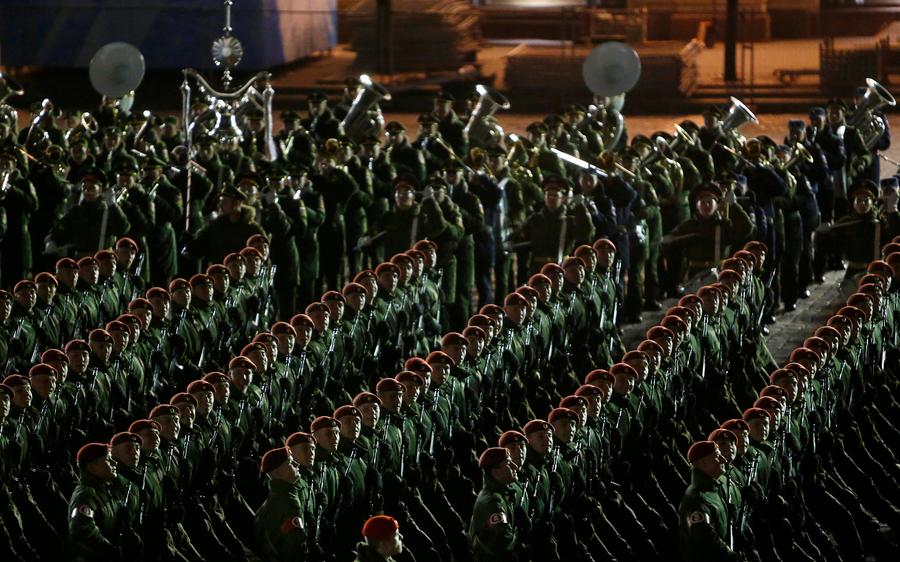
857	265
693	264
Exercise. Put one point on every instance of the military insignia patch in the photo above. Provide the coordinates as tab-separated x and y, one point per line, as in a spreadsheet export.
697	517
83	510
497	518
290	524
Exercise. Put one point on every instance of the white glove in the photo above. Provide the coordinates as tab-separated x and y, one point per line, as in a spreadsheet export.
269	197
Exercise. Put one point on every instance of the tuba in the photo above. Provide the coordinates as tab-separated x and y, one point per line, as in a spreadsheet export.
870	125
609	71
116	70
738	115
484	131
364	118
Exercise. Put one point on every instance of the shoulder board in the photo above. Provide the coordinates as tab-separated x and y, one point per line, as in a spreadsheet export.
697	517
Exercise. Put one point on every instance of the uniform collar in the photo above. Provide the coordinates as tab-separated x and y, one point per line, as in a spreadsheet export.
701	481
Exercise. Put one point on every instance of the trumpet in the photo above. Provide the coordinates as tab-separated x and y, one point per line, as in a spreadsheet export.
798	154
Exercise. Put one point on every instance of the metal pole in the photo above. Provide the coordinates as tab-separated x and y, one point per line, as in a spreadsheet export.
731	24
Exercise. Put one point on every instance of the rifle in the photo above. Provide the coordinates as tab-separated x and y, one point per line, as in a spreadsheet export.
133	273
35	355
11	362
202	360
554	465
79	316
434	406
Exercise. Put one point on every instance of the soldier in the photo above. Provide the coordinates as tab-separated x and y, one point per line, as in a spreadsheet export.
492	531
703	515
451	127
321	122
858	236
555	230
95	223
281	532
18	201
406	159
382	540
93	508
229	231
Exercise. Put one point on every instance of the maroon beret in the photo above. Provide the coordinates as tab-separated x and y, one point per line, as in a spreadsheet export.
701	449
92	452
492	457
272	460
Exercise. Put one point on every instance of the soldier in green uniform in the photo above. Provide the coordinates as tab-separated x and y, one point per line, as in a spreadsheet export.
167	203
281	532
492	531
857	236
406	158
229	231
352	455
93	508
382	540
715	221
19	202
555	230
703	515
96	222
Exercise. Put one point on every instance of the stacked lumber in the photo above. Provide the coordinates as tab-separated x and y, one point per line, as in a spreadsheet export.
668	69
426	35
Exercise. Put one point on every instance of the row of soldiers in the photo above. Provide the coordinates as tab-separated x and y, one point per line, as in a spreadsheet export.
330	207
169	340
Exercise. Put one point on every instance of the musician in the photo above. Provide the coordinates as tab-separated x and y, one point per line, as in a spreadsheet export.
859	235
473	245
808	175
321	122
406	158
172	134
451	127
80	230
228	232
546	163
52	193
555	230
887	211
716	226
80	158
339	190
873	171
696	154
111	148
432	145
854	150
18	200
352	87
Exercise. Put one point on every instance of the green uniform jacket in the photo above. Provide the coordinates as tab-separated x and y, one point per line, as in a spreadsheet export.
92	520
492	531
703	522
279	525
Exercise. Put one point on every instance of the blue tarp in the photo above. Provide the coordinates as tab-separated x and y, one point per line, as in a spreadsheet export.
170	34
